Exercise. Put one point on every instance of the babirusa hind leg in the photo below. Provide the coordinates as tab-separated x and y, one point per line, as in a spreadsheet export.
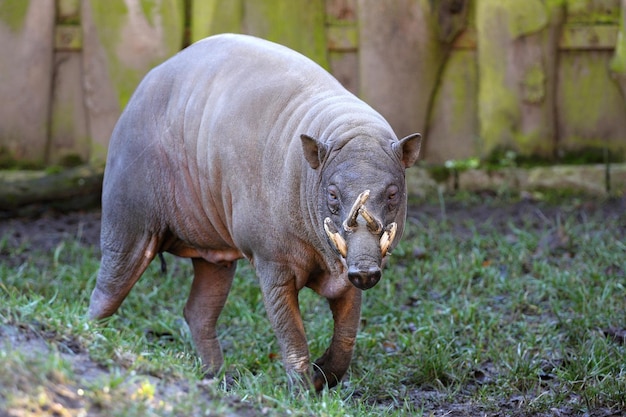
209	291
120	269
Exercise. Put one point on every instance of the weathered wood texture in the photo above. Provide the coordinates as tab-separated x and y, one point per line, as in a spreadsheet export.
343	42
298	24
123	40
68	68
403	47
591	110
517	50
546	79
618	63
26	71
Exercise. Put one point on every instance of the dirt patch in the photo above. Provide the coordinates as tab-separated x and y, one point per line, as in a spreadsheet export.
46	231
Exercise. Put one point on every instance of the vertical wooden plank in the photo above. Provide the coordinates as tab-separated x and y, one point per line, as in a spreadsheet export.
342	42
516	59
453	123
395	45
591	108
123	40
26	41
69	142
101	98
403	45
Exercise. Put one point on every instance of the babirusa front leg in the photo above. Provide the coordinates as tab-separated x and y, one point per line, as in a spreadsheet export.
280	297
333	364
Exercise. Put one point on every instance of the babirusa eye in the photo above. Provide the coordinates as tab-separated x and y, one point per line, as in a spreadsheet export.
392	195
333	193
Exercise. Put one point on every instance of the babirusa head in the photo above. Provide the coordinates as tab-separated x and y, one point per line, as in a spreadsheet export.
361	197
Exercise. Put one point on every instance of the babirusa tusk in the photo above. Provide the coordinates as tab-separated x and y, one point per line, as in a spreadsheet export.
335	237
374	225
350	221
387	238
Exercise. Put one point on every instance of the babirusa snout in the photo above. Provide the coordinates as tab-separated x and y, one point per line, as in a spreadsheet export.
388	235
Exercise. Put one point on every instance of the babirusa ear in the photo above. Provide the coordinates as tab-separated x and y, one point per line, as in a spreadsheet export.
408	149
314	151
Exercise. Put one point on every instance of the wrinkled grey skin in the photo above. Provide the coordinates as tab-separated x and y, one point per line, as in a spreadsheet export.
237	147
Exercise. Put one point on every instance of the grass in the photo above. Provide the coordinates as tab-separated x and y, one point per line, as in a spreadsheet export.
522	316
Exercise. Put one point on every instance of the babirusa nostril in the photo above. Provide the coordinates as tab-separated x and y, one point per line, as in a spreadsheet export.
375	273
364	279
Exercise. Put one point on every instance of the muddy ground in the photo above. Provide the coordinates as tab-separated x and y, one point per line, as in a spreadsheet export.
48	228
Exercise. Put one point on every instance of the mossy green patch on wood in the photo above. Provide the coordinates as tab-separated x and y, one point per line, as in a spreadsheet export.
149	8
527	143
592	11
515	50
498	110
590	105
342	38
210	17
298	24
68	144
462	87
13	13
112	19
68	12
525	16
534	84
453	120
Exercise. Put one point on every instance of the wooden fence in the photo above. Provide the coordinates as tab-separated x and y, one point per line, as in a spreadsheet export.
544	79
